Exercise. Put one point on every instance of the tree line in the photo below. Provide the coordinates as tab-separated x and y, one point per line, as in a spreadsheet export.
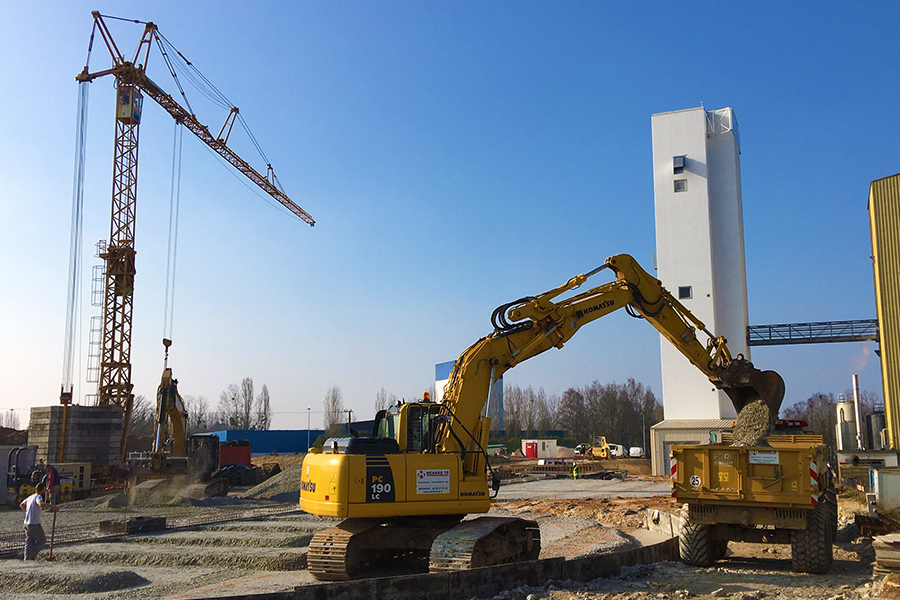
238	408
621	412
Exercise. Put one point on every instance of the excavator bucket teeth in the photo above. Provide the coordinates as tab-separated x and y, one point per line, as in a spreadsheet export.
770	387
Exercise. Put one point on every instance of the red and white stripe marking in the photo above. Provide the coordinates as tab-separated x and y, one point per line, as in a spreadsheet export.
674	474
814	482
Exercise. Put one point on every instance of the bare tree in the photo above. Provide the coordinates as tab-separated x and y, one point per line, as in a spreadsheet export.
819	412
198	413
381	399
334	410
263	416
230	407
9	419
143	417
246	405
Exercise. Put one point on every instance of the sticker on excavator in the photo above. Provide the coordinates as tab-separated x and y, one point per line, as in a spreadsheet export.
763	457
379	479
433	481
695	481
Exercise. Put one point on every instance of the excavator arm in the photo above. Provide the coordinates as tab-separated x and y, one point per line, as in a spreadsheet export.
531	325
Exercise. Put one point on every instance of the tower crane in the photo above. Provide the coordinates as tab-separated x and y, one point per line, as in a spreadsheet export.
132	84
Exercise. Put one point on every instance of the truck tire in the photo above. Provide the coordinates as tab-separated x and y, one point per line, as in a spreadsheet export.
695	542
811	549
831	501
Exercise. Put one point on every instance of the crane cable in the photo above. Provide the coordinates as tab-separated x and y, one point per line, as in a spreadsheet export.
73	296
172	253
206	88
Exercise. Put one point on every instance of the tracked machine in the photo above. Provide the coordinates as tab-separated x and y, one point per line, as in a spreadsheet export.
406	491
179	464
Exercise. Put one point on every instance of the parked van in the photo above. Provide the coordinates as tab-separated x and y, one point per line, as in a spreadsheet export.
617	451
636	452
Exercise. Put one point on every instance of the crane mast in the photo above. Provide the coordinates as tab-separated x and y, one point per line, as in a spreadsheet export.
114	383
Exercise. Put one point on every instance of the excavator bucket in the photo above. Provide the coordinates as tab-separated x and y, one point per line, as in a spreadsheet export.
751	385
754	422
770	387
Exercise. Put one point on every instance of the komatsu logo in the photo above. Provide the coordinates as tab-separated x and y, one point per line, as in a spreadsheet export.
308	486
464	494
602	305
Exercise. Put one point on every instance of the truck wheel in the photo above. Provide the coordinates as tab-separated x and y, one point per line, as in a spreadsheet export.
811	549
831	501
695	543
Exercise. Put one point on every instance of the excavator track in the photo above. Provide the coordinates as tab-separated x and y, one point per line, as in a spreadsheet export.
334	553
485	541
357	547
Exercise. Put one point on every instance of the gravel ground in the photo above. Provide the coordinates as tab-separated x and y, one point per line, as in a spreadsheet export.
267	555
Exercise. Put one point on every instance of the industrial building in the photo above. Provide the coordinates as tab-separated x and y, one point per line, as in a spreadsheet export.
700	259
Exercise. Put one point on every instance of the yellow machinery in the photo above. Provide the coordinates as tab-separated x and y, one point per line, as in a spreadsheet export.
404	491
23	473
600	447
178	463
778	493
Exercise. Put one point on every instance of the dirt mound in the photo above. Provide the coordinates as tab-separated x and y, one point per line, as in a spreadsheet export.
13	437
590	541
68	581
283	487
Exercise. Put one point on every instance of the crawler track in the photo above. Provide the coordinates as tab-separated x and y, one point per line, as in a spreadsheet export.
356	547
485	541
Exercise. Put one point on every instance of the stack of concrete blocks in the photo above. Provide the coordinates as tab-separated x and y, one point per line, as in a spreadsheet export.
93	434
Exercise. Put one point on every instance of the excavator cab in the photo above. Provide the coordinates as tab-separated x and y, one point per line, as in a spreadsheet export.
412	424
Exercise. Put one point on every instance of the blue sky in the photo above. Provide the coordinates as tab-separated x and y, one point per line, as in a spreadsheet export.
456	156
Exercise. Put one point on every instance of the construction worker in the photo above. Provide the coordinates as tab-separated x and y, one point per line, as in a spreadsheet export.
51	484
575	471
35	539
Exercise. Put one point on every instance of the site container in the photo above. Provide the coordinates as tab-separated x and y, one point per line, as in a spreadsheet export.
234	453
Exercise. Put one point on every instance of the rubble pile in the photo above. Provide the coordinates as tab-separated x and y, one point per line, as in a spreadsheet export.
753	424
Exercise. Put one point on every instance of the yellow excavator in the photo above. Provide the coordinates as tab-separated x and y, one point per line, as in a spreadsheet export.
404	491
178	464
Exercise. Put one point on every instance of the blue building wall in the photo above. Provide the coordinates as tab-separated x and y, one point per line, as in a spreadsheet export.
281	441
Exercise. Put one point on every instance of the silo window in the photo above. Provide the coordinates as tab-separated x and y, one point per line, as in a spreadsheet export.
685	292
681	185
678	164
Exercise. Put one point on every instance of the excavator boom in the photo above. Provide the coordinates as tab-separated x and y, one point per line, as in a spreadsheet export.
532	325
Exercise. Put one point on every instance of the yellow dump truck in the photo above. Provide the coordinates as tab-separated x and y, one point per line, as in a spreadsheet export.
781	493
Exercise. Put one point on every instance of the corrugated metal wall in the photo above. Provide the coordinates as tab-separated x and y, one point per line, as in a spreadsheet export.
884	222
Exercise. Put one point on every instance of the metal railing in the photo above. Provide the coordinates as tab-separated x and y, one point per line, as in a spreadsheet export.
812	333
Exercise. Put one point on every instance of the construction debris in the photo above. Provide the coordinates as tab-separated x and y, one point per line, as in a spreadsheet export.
753	424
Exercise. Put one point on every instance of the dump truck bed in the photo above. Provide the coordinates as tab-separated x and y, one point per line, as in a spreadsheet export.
728	484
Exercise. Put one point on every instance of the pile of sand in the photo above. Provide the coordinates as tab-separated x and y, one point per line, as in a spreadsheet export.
68	580
283	487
